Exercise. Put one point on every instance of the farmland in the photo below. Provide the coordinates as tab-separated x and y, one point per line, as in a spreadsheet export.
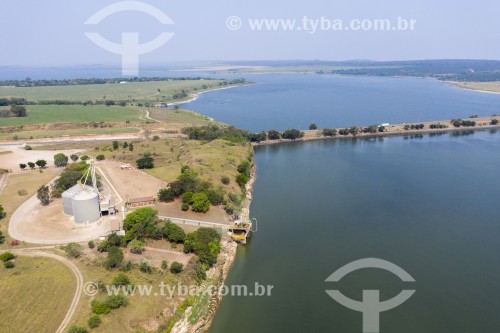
47	114
132	91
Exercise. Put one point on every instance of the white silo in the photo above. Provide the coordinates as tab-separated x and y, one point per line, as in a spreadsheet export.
85	205
67	197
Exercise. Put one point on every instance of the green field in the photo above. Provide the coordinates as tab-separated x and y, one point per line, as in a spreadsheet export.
138	91
48	114
25	135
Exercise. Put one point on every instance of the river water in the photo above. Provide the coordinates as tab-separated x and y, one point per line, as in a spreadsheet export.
427	204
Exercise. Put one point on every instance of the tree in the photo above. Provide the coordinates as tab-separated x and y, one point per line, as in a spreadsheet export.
31	165
91	244
292	134
22	166
205	242
313	127
146	162
166	195
201	204
494	122
60	160
74	157
273	135
329	132
131	147
125	145
176	267
115	145
41	163
173	232
43	194
18	111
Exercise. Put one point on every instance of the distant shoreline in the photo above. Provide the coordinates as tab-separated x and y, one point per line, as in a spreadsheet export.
317	135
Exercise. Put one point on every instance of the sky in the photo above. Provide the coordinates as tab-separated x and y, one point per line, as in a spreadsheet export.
52	32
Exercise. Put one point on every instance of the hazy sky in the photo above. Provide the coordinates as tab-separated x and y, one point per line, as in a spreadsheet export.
51	32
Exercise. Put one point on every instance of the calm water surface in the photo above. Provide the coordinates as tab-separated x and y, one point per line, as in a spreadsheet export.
428	204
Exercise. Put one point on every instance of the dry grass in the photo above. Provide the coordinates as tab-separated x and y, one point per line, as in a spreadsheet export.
493	87
35	295
29	181
143	314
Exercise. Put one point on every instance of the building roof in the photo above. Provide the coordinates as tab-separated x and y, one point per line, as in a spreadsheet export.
141	199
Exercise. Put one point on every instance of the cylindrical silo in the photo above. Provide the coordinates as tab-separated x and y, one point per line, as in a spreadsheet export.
67	197
86	206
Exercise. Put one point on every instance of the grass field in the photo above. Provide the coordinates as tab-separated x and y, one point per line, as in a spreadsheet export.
210	160
35	295
139	91
185	117
26	135
48	114
11	200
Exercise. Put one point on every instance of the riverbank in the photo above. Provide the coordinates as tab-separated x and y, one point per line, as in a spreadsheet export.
483	123
197	95
199	317
483	87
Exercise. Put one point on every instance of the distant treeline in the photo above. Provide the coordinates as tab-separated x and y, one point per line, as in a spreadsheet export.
72	82
452	70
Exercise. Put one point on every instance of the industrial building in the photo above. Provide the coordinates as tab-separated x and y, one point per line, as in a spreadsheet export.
83	202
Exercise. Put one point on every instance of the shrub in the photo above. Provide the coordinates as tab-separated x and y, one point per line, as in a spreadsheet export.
313	127
2	238
205	242
146	162
225	180
185	207
145	267
173	232
136	246
114	259
100	157
216	197
94	321
273	135
28	147
77	329
201	204
91	244
121	280
187	198
22	193
116	301
166	195
74	157
164	265
73	250
9	264
494	122
176	268
7	256
329	132
99	307
292	134
103	246
242	180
